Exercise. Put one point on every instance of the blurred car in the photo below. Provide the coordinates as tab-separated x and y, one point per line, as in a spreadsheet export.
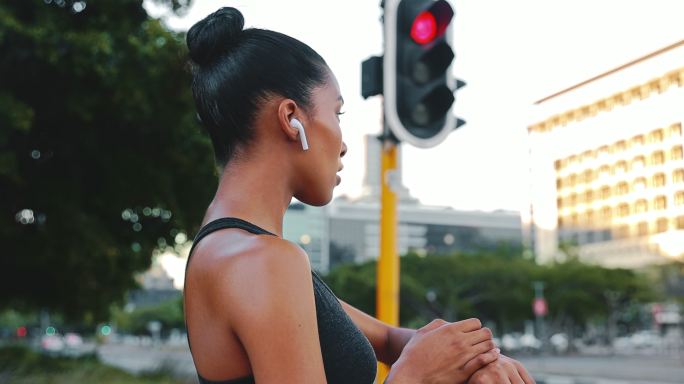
559	342
516	341
74	345
645	339
530	342
73	340
52	344
510	342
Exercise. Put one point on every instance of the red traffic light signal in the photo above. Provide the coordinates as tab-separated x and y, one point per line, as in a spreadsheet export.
417	82
424	28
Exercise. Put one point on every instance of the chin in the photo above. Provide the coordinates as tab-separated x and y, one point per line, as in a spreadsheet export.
313	199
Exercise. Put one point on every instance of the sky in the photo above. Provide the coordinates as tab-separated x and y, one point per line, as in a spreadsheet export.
510	53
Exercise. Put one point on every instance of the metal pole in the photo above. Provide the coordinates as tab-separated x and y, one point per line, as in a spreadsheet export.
539	294
387	295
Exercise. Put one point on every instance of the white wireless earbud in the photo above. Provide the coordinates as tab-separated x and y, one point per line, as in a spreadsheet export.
294	123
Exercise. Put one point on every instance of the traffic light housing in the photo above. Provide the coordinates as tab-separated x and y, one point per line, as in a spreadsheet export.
418	85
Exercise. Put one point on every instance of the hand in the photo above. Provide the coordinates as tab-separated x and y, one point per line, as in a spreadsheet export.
502	371
443	352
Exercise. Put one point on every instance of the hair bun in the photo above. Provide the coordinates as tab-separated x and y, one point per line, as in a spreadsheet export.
214	35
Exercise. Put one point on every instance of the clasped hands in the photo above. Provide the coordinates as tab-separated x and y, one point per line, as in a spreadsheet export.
460	352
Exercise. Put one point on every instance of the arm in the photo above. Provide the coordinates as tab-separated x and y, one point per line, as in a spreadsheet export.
387	341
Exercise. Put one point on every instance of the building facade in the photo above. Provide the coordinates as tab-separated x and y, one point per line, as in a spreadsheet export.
348	230
607	168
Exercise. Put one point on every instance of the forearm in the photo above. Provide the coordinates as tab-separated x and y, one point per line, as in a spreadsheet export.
396	341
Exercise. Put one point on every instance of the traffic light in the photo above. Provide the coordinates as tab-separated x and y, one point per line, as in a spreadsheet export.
418	85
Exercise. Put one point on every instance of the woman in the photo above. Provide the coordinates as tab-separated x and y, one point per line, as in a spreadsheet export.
254	309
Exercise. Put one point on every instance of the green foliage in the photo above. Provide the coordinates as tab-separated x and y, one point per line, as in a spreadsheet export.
20	365
497	288
99	148
168	313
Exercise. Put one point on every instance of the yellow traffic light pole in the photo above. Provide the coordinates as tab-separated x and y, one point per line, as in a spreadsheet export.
387	295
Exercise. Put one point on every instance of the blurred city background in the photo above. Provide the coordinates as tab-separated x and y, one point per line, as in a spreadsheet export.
556	215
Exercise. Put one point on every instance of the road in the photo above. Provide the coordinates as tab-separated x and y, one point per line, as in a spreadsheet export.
663	369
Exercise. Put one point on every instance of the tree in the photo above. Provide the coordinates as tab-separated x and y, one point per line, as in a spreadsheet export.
496	287
101	157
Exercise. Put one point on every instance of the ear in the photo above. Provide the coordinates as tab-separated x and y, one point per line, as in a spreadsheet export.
287	110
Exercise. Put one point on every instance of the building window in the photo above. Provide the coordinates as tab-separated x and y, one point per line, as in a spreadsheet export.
638	162
658	179
657	158
660	203
637	140
590	217
557	165
621	189
621	232
603	150
621	146
588	176
662	225
640	206
573	199
676	153
656	136
678	176
559	202
623	210
573	180
620	167
588	196
676	129
642	228
605	192
639	184
604	171
679	198
680	222
559	183
606	213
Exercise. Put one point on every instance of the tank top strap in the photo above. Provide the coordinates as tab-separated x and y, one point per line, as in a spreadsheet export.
227	222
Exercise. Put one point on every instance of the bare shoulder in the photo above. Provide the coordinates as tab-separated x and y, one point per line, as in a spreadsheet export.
240	276
262	288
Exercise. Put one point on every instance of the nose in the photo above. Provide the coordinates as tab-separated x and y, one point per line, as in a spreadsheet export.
344	149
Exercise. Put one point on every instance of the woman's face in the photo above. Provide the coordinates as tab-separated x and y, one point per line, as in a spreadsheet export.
324	158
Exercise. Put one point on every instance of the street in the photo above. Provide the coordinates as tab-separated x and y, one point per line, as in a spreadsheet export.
662	369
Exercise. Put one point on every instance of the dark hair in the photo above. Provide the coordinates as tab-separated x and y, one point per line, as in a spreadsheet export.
235	70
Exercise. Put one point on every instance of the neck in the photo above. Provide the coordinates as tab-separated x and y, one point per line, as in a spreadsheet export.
255	191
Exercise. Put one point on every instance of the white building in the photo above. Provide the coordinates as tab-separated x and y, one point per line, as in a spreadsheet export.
606	165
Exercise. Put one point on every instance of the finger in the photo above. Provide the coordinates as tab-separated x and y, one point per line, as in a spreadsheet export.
527	378
516	379
512	371
480	361
475	350
482	347
468	325
434	324
479	336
